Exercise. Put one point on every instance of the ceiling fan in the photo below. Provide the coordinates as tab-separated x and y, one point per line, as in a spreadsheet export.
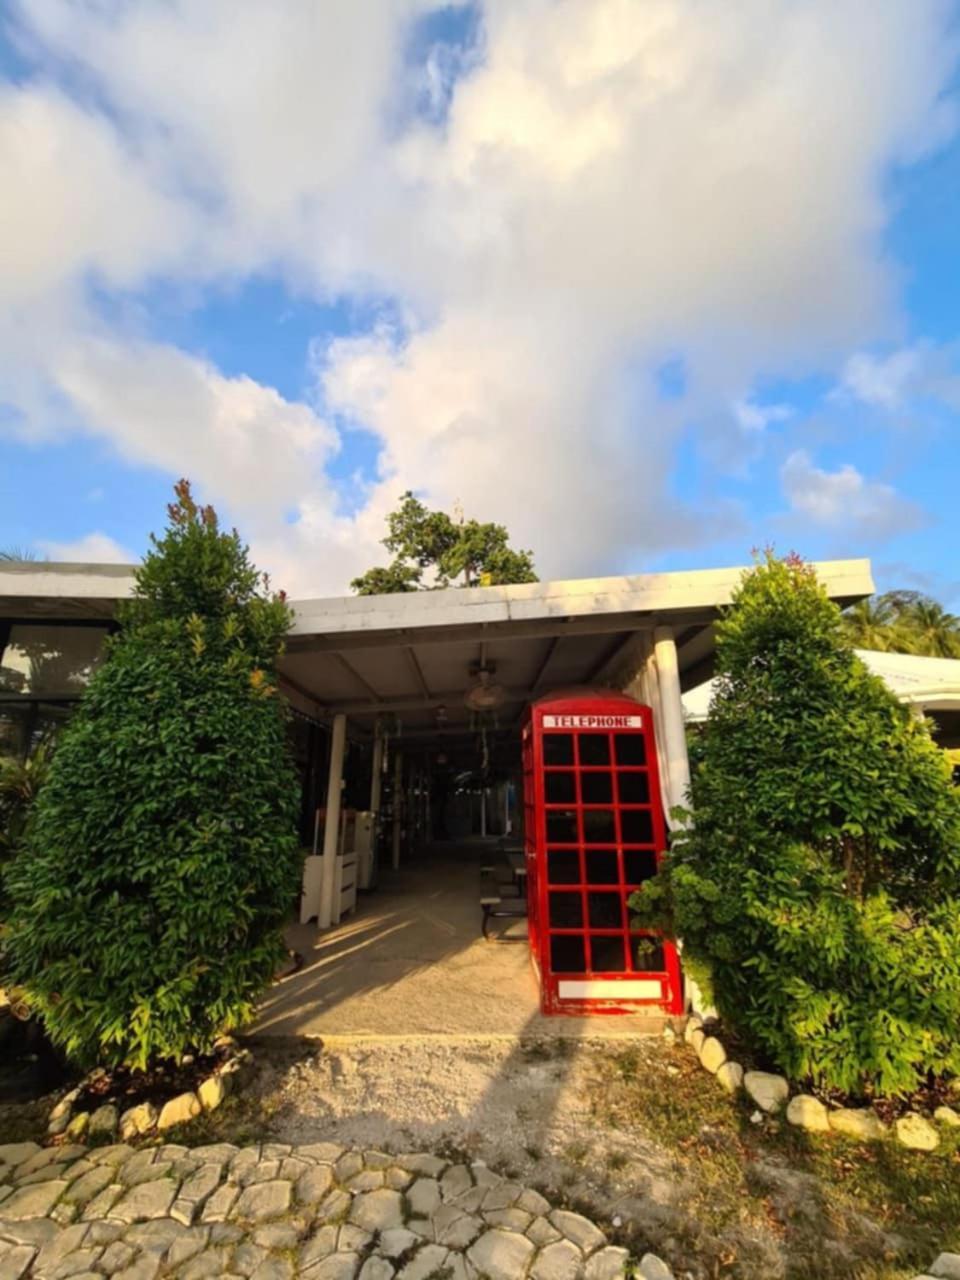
483	693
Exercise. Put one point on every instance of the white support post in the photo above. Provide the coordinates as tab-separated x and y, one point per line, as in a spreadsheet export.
331	829
376	777
397	806
671	714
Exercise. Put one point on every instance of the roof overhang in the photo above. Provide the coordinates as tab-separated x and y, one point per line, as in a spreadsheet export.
412	657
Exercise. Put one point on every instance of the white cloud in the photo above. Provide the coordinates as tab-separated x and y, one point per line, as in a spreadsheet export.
235	437
757	417
92	548
845	500
655	176
77	201
879	380
890	382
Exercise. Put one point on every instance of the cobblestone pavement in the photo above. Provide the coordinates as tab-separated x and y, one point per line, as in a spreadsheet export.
273	1211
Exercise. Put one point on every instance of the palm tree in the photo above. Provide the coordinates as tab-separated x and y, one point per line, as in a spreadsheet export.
13	555
928	629
869	623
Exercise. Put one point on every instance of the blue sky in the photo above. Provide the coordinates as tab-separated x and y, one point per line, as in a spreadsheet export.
651	282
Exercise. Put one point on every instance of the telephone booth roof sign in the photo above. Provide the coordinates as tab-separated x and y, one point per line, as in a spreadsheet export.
594	832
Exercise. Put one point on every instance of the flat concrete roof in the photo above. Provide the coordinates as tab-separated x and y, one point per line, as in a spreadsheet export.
414	655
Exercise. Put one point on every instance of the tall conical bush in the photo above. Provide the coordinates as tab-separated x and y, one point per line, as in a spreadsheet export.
817	887
162	856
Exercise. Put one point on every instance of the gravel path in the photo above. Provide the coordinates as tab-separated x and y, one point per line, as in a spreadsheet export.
274	1211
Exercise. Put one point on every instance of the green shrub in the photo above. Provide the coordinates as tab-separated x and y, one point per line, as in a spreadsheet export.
20	780
816	890
162	855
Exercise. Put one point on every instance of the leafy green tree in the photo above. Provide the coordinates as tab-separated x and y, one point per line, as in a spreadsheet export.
161	858
20	781
421	540
817	890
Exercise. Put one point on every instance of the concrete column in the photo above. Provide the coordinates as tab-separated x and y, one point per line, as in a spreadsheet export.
331	830
376	776
671	714
397	806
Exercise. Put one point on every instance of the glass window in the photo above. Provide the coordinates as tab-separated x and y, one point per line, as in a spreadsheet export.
598	826
605	910
563	866
561	826
594	748
648	954
24	725
630	749
634	788
567	954
50	659
14	729
557	748
606	955
602	866
639	865
566	911
596	788
636	826
559	788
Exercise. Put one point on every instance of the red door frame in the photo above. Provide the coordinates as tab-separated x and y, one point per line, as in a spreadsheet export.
629	836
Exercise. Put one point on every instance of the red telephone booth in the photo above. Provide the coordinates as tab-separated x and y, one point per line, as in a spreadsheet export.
594	832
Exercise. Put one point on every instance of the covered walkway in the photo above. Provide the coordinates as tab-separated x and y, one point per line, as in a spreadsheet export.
411	961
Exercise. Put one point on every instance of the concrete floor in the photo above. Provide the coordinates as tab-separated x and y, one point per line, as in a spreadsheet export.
411	961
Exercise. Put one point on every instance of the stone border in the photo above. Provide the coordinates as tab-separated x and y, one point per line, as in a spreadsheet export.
945	1267
771	1093
107	1122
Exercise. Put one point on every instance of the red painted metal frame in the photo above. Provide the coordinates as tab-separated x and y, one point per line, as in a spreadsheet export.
604	705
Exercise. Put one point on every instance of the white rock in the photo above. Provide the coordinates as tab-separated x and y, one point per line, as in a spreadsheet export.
148	1200
376	1269
947	1266
807	1112
137	1120
915	1132
33	1201
693	1024
860	1123
654	1268
211	1093
428	1263
179	1110
263	1200
768	1091
104	1121
377	1210
14	1153
313	1185
559	1261
578	1229
947	1115
424	1197
608	1264
696	1040
730	1075
501	1255
712	1054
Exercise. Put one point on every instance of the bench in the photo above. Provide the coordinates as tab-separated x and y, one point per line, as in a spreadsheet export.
500	900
